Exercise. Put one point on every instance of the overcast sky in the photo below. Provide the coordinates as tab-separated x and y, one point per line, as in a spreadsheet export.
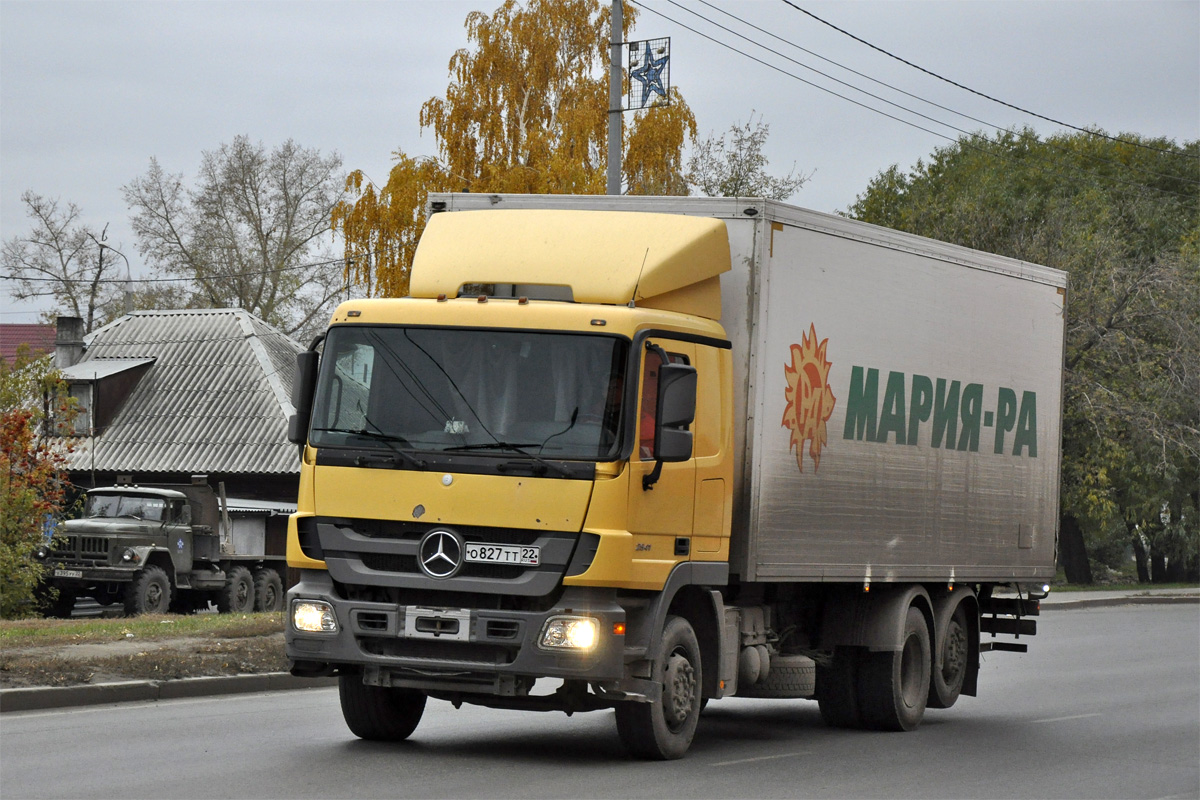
90	91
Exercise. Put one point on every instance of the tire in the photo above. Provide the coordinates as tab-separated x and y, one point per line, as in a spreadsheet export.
950	667
893	687
789	677
185	602
664	729
61	606
836	691
268	590
237	595
148	593
378	713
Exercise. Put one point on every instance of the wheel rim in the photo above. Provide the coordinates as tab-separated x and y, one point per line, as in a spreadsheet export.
679	691
243	592
154	596
954	658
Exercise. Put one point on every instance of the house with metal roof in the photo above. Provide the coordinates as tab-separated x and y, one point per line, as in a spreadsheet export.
39	339
165	395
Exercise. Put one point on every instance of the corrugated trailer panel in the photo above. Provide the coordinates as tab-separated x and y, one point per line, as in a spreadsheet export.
907	404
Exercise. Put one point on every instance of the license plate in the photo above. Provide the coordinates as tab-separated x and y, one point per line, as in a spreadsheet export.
502	554
67	573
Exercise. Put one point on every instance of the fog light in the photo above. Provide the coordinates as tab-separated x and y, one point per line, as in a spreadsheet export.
313	616
569	633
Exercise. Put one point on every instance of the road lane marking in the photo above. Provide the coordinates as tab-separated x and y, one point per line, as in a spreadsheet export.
1064	719
759	758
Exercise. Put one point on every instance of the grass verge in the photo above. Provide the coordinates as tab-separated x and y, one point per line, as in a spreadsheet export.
152	627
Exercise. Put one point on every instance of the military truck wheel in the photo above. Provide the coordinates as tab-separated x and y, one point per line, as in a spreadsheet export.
268	590
893	687
237	595
664	729
148	593
61	606
950	668
379	713
185	602
836	691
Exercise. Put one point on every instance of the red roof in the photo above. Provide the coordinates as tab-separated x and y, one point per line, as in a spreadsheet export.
40	339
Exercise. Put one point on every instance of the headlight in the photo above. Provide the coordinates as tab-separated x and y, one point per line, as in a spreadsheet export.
130	555
41	553
313	616
570	633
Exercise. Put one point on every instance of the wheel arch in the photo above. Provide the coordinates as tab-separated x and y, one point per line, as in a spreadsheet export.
688	593
875	619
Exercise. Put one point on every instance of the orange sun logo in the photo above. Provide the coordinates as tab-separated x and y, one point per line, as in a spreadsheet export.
810	401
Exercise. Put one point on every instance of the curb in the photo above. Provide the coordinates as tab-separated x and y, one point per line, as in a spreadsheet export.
38	698
1101	602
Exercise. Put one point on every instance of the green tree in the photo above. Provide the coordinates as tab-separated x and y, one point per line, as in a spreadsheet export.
1123	219
525	111
736	166
33	477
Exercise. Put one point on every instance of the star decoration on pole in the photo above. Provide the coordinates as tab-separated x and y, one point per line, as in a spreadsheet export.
651	68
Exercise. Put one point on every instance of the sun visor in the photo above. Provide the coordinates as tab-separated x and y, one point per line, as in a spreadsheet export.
603	256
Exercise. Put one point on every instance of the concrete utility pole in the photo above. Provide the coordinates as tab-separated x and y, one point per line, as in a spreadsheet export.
614	99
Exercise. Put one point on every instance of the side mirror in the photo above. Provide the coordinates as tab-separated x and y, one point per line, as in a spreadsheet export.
676	410
304	383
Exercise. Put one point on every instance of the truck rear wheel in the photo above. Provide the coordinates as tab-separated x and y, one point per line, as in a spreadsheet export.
837	689
950	667
148	593
379	713
237	595
268	590
893	687
664	729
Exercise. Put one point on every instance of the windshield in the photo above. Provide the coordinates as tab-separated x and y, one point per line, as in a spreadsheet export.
129	506
553	395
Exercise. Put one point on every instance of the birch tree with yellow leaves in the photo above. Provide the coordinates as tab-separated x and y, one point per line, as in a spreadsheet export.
525	111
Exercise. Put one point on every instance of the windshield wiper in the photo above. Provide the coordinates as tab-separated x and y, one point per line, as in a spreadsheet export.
391	440
516	447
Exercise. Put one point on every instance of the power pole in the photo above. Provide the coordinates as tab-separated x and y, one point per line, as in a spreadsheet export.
614	99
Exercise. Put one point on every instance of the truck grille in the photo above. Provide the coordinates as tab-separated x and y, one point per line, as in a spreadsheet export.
379	553
80	548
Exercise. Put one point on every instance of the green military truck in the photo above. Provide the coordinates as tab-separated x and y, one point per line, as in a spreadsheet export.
159	548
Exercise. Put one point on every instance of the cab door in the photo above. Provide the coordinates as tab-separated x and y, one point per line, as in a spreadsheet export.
661	517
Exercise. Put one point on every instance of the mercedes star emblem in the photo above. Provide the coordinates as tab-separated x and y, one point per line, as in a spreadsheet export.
440	554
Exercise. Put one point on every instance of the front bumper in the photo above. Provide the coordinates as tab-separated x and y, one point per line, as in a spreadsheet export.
86	575
484	651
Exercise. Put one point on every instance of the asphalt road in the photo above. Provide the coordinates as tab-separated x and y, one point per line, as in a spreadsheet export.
1106	704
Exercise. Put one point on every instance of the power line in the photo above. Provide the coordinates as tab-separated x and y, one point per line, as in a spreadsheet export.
179	280
981	94
947	109
964	142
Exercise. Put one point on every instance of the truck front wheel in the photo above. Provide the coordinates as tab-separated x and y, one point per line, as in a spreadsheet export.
379	713
148	593
237	595
664	729
893	687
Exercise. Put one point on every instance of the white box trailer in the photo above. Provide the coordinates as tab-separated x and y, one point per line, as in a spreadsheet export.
898	400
